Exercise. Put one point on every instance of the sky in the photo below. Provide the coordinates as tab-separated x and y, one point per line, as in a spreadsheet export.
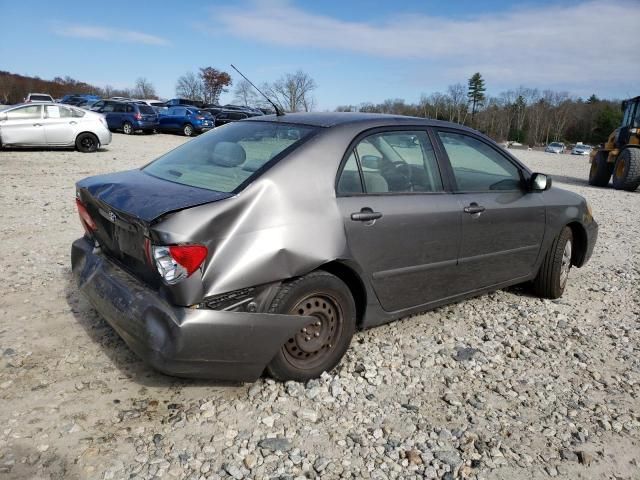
356	51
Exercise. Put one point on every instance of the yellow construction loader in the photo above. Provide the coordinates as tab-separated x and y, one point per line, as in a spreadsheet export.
620	156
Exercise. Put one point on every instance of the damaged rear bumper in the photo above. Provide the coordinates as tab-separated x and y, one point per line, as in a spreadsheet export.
184	342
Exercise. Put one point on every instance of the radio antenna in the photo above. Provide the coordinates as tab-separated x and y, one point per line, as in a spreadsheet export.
279	112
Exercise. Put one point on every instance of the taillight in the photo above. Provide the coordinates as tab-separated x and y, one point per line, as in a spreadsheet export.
177	262
87	222
138	116
199	117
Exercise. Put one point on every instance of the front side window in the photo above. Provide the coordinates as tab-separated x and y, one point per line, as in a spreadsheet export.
225	158
25	113
476	166
398	162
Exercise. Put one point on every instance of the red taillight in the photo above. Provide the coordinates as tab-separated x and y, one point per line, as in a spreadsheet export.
176	262
189	256
199	117
87	222
138	116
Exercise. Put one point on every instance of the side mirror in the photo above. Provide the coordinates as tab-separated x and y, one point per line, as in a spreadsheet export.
540	182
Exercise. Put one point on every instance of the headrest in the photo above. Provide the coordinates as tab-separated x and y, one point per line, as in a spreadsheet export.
228	154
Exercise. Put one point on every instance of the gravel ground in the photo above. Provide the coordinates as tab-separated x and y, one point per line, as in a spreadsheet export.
504	386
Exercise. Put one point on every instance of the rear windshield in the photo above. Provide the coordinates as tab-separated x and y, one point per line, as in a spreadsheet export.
45	98
227	156
146	109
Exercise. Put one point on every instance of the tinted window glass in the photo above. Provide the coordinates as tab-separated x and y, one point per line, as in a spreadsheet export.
477	167
399	162
108	108
77	113
23	113
146	109
40	98
129	109
224	158
350	181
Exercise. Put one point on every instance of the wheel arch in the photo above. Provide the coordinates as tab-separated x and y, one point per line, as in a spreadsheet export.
90	133
354	283
579	242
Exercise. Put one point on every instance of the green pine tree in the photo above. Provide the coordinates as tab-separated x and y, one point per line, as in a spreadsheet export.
475	93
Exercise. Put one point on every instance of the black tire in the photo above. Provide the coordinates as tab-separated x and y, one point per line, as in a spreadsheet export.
87	143
187	130
626	174
554	271
319	346
127	128
600	171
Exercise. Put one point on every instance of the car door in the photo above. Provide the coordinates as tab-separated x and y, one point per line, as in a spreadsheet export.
60	126
23	126
402	226
503	222
109	114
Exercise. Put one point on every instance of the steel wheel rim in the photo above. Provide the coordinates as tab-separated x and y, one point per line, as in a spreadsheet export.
188	131
314	343
565	266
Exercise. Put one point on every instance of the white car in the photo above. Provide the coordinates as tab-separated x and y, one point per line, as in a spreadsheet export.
53	125
581	149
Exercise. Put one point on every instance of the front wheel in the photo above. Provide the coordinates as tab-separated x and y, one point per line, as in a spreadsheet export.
554	271
187	130
626	175
319	346
87	143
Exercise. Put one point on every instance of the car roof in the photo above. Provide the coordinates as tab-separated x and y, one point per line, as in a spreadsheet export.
370	120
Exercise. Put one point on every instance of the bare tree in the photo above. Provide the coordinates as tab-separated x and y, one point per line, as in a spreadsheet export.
294	92
190	86
245	94
458	103
144	88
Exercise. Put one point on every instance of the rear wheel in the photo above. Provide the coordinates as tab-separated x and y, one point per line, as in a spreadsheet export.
626	175
127	128
554	271
600	171
187	130
319	346
87	143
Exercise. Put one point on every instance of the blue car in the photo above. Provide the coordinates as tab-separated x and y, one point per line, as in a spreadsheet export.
186	120
128	117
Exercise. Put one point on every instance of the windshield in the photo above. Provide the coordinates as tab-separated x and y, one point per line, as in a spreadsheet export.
226	157
555	144
45	98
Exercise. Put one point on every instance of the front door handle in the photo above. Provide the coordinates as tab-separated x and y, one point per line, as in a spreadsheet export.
73	123
366	214
474	208
37	124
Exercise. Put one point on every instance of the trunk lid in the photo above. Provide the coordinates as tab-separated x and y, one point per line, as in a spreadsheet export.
124	205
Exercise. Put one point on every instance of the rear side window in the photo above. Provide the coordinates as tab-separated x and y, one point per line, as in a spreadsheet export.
394	162
477	167
225	158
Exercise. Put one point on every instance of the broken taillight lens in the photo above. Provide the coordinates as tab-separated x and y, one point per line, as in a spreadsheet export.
87	222
177	262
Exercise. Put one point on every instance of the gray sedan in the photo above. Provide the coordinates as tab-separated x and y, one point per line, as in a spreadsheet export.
52	125
266	243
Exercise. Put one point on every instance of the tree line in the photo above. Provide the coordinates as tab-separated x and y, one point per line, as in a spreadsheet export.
14	88
524	115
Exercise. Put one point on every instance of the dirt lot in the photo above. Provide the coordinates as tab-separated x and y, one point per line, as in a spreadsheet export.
503	386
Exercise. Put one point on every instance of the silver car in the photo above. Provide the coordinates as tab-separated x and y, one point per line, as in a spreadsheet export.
581	150
53	125
555	147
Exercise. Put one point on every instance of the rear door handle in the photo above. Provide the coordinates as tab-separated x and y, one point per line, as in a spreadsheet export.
73	123
37	124
474	208
366	214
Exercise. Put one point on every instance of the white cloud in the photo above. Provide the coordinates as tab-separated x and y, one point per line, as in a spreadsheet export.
93	32
594	42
